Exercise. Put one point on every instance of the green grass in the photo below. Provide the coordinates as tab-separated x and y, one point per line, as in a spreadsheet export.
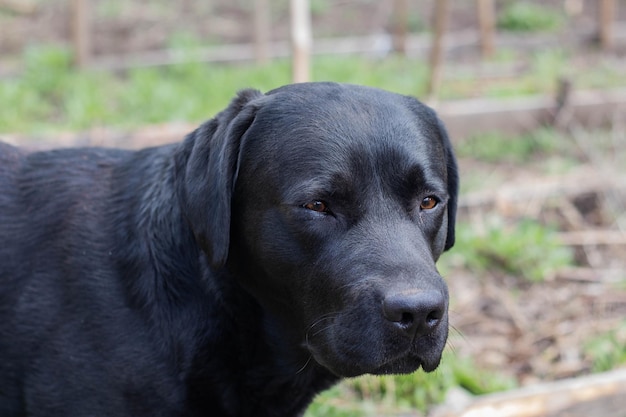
607	351
494	147
50	95
546	68
524	16
525	249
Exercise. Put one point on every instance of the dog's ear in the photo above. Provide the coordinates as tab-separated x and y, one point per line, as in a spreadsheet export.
207	168
435	126
453	183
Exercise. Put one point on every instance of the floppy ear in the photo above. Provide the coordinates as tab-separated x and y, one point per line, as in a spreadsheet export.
453	183
207	170
435	126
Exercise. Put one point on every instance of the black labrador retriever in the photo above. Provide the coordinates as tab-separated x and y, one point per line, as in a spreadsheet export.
286	243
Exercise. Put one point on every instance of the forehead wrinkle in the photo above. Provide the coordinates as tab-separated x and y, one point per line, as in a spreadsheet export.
379	158
346	134
309	187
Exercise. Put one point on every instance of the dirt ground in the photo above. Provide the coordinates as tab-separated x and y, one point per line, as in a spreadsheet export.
542	330
533	331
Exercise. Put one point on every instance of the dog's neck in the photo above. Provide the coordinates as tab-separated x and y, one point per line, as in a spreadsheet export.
262	366
157	268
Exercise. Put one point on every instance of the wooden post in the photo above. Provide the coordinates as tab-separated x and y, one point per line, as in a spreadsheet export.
400	22
486	21
606	16
441	17
261	31
81	38
301	40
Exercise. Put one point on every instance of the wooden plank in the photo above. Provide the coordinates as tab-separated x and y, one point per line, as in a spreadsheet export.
571	185
590	109
418	46
595	395
592	237
463	118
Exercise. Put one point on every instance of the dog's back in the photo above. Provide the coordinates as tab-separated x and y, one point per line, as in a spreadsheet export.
48	201
54	272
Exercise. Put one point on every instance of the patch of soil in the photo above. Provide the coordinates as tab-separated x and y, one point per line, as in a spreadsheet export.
541	330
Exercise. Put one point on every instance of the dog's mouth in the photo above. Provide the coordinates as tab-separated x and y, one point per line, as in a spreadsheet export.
408	364
380	358
403	365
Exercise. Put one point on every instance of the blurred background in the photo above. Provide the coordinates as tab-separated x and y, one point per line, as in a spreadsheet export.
534	96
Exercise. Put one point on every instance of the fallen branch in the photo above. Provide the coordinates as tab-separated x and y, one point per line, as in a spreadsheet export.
582	274
541	189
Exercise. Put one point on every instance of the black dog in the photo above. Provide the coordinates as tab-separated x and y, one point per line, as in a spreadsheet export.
287	243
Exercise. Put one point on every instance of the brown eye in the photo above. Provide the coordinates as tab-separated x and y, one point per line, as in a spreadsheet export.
318	206
428	203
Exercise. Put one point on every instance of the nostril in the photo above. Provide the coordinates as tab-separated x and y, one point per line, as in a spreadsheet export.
415	312
407	319
434	317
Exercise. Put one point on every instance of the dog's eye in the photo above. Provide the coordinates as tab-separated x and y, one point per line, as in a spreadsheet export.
428	203
318	206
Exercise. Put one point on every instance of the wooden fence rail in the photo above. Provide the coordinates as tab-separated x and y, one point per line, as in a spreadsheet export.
301	35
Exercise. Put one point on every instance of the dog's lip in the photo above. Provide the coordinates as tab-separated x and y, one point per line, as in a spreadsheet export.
409	363
401	364
423	352
430	365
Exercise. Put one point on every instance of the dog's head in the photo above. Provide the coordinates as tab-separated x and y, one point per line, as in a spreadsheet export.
332	202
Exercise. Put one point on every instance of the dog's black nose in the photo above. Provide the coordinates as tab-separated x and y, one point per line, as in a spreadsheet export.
415	312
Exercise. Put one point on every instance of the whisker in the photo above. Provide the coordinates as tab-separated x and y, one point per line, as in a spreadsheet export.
309	331
320	320
305	365
457	331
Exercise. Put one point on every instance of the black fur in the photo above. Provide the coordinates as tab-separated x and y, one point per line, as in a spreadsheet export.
198	278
